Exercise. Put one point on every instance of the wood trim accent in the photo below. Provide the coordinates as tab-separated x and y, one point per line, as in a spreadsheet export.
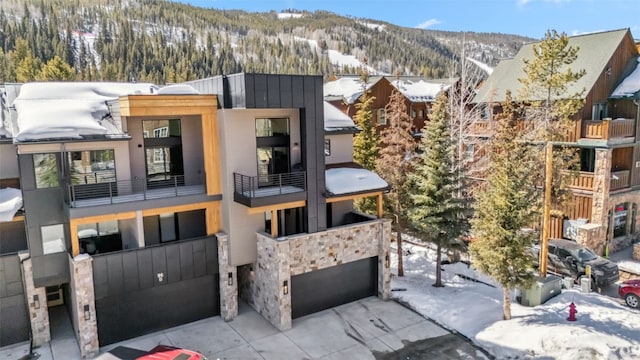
182	105
352	197
380	207
177	208
275	207
18	218
274	223
211	150
73	226
214	218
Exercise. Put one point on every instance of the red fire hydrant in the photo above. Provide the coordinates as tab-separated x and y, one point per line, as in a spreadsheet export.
572	312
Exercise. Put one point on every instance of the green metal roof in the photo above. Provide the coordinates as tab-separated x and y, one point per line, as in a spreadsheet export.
595	51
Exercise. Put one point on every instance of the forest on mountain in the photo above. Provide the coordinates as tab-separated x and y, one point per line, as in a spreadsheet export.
164	42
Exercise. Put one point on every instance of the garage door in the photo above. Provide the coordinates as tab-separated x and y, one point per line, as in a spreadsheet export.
147	290
14	316
326	288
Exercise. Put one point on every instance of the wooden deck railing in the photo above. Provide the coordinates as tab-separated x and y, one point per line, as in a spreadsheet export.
619	179
583	182
481	128
607	129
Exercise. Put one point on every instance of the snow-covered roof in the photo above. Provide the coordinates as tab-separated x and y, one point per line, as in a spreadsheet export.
630	86
62	110
342	181
348	88
10	203
177	89
418	91
335	120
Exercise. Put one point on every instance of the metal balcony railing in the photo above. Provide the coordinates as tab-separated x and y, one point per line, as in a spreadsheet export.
269	185
112	192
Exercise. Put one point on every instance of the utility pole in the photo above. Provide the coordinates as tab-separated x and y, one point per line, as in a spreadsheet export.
546	220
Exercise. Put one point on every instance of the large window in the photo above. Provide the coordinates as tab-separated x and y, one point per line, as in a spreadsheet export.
161	128
53	239
599	111
99	237
92	166
163	152
272	127
620	217
46	170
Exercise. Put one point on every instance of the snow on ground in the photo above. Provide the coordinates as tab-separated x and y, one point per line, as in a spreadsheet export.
484	67
289	15
338	58
372	26
604	328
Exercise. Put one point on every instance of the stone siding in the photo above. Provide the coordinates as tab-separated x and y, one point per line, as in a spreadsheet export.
38	312
636	251
83	305
228	293
268	289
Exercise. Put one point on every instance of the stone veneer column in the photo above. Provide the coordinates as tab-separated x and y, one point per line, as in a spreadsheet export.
384	259
84	305
601	186
272	270
228	293
39	317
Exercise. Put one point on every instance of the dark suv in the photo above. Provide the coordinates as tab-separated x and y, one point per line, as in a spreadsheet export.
568	258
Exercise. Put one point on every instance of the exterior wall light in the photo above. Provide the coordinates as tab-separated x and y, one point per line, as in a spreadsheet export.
285	287
36	302
87	313
229	279
386	260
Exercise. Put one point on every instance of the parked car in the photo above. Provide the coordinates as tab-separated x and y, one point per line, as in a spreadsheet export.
630	291
568	258
160	352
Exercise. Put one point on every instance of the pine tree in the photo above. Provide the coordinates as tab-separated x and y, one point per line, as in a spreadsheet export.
394	166
366	143
438	212
506	205
26	65
551	109
56	69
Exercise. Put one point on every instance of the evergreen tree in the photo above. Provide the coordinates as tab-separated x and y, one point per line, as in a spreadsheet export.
27	66
506	205
56	69
551	109
438	212
366	143
394	166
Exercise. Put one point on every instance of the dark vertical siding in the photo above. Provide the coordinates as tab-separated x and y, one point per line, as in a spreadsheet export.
635	166
14	315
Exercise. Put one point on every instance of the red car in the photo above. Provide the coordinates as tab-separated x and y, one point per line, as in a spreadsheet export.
630	291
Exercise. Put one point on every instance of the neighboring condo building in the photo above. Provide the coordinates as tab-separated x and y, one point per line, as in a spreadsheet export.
606	195
138	208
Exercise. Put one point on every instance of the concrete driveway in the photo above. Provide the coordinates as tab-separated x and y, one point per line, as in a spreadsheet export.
365	329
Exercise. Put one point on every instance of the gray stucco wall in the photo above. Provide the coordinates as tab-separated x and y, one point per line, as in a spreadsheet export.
238	139
341	148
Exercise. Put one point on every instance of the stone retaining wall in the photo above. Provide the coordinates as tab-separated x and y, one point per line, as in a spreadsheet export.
83	305
38	311
228	286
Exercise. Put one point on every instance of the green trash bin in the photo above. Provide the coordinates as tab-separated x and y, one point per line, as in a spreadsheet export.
542	290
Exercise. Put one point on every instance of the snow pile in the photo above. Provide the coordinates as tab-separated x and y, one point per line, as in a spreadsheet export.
605	329
10	203
349	89
630	85
629	266
417	91
69	109
178	89
341	181
334	119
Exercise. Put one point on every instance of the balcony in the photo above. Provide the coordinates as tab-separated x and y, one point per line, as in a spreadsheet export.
619	180
607	129
481	128
584	181
263	190
140	189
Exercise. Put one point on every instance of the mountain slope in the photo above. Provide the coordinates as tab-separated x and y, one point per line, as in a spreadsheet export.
161	42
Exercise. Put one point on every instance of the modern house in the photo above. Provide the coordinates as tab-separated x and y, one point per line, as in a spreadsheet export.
142	207
606	194
345	92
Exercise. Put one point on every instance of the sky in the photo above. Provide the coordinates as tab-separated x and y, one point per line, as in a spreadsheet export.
604	328
530	18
